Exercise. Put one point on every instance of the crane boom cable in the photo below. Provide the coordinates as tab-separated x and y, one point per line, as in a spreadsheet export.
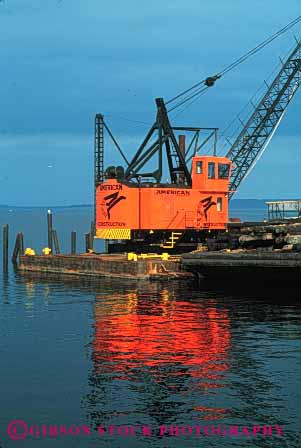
198	92
232	65
202	91
260	46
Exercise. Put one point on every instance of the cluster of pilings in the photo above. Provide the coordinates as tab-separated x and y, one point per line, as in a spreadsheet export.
53	242
18	249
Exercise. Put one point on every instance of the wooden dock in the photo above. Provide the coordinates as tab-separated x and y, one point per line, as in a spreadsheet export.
252	265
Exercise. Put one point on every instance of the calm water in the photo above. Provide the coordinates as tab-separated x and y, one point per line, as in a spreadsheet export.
118	355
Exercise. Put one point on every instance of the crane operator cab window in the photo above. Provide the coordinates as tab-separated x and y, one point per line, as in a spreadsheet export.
223	170
199	167
211	170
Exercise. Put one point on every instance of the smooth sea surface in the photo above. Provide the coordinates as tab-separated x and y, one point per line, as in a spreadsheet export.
191	357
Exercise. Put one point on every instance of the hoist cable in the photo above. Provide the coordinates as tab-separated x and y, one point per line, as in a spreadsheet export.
208	82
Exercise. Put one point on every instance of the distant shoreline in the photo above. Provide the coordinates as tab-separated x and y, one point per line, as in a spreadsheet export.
234	204
51	207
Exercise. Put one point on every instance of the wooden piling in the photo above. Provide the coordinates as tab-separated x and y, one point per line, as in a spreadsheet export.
49	225
21	243
56	242
92	234
16	250
92	231
73	242
88	242
5	248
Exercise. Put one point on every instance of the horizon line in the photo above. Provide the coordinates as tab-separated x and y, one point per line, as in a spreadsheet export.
92	205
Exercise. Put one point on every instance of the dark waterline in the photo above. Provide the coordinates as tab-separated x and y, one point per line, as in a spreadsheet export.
76	351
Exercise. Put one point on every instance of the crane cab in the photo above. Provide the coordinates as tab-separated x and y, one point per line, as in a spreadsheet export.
211	173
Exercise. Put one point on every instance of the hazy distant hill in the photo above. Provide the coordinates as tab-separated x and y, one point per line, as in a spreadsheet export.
52	207
234	204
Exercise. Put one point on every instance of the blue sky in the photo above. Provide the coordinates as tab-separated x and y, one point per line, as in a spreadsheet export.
64	61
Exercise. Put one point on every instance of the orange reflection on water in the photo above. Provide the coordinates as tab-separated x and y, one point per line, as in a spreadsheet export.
211	414
132	331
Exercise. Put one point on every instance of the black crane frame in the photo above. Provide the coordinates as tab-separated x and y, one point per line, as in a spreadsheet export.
177	158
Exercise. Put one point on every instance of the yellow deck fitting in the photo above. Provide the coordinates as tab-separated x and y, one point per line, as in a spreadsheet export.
172	240
131	256
29	251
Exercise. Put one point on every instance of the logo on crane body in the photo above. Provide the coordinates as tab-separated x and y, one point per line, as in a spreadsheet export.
203	206
110	201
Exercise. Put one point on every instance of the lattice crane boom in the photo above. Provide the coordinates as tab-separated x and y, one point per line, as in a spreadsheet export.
257	132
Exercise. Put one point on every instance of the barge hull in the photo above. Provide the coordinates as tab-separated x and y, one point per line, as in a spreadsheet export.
116	266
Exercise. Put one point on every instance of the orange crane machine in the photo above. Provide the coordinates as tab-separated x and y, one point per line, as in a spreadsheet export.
136	210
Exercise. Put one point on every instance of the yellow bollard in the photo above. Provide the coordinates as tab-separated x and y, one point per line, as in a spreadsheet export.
29	251
130	256
46	251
